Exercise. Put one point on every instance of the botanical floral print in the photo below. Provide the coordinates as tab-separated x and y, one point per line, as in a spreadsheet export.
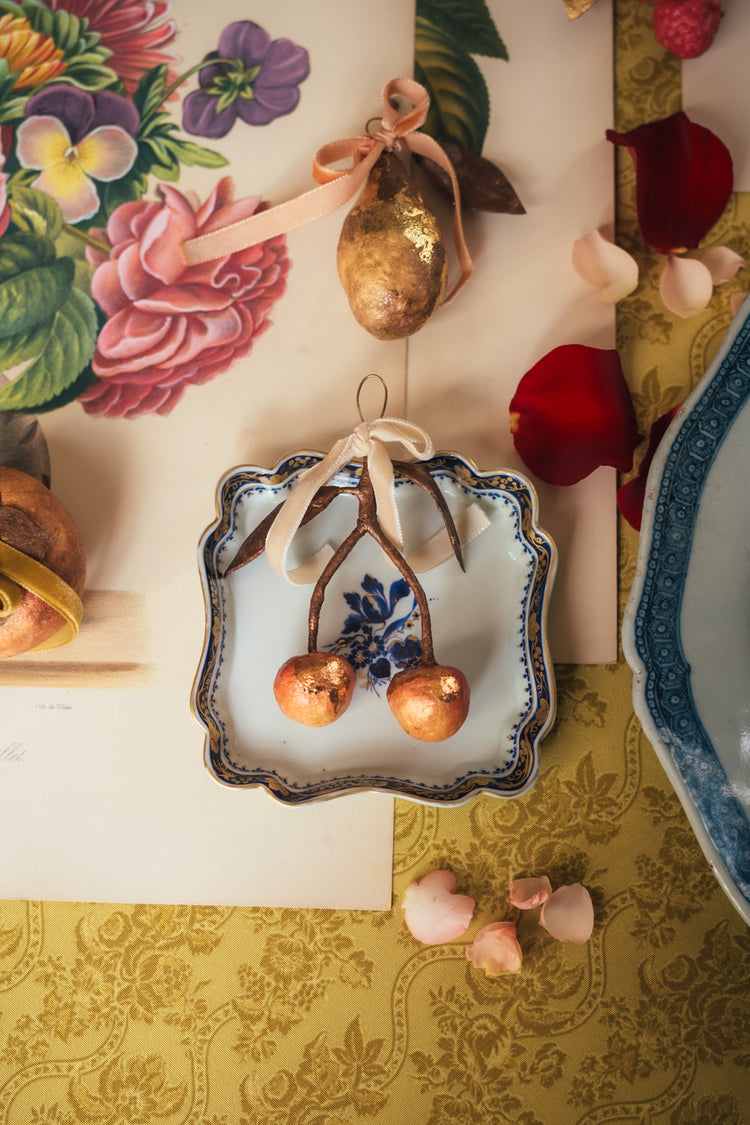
31	59
75	138
90	151
135	31
250	77
168	324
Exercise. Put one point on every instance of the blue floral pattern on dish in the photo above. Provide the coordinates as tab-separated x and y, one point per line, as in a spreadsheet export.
376	636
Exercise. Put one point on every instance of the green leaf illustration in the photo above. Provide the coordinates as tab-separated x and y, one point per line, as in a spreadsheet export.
459	100
22	252
149	93
29	298
59	367
35	212
468	22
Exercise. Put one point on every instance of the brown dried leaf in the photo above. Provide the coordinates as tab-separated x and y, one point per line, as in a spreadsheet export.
421	476
482	185
255	543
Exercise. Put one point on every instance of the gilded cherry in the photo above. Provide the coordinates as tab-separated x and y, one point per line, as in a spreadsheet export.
430	701
316	688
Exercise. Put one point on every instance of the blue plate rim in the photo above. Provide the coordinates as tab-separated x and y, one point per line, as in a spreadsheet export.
651	631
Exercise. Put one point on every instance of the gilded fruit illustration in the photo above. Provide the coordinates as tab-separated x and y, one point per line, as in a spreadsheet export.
391	259
314	689
430	702
34	522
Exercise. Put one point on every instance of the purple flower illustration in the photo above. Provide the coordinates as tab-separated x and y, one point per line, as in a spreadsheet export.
250	76
73	139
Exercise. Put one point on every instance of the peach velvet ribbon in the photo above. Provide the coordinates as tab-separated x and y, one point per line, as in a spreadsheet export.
337	186
18	573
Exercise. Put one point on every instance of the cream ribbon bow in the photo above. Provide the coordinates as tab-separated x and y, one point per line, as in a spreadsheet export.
367	440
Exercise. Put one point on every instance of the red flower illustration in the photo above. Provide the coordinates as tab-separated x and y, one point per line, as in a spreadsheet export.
571	413
684	178
135	31
170	324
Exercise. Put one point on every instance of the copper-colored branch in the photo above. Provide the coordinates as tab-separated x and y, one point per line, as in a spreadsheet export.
316	601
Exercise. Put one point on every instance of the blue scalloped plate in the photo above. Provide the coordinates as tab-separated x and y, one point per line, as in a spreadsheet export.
490	621
686	629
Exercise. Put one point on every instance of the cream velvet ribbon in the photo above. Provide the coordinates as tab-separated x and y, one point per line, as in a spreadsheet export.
337	186
367	440
19	572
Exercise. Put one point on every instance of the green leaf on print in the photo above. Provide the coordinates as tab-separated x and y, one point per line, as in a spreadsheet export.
468	22
35	212
459	100
59	367
22	252
29	298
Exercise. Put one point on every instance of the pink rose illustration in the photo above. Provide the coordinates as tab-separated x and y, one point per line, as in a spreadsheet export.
169	324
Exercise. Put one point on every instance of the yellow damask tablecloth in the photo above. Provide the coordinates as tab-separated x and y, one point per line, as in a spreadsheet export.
127	1015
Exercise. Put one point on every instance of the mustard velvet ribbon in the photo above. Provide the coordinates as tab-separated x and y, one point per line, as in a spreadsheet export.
18	573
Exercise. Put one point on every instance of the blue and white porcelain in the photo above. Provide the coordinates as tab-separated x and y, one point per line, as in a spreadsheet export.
490	621
686	630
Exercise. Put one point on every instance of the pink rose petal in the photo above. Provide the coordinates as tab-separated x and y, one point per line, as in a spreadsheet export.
607	268
433	913
529	893
496	950
568	914
722	263
686	286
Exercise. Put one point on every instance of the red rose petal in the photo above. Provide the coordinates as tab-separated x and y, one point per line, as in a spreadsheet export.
572	412
683	180
630	496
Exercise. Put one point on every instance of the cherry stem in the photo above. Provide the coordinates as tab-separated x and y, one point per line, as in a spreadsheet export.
367	524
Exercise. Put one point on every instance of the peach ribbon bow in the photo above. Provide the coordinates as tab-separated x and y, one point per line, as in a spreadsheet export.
337	186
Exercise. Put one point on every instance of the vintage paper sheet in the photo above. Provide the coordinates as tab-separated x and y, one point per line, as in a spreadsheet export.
104	794
550	106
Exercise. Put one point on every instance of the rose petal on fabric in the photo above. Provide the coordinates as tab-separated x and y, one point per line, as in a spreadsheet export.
685	286
568	914
607	268
433	913
684	178
631	495
722	263
527	894
496	950
571	413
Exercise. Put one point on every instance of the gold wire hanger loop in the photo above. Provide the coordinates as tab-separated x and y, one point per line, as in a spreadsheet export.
383	384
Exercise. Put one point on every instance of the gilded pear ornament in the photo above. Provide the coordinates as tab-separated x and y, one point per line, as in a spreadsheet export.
391	259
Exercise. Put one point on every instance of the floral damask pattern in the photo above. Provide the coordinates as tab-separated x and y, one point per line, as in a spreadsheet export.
129	1015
